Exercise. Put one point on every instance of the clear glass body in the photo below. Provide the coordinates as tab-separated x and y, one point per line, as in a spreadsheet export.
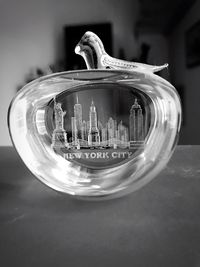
96	134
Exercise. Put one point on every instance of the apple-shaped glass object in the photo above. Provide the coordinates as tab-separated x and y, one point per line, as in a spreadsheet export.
96	133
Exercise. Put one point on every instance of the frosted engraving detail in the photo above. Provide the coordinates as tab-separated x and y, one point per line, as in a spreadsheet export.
107	128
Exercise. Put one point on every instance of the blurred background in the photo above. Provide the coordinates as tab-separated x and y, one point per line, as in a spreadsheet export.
38	37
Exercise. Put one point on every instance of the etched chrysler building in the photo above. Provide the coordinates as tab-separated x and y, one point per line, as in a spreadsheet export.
136	122
93	135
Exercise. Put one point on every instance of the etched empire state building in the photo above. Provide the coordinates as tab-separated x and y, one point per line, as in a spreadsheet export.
93	135
136	124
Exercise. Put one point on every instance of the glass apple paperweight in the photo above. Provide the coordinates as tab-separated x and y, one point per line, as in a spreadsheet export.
97	133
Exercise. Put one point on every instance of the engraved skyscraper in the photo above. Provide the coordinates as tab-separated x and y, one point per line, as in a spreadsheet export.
78	120
93	135
136	122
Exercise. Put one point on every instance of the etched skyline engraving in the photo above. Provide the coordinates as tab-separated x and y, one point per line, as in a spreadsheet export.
93	134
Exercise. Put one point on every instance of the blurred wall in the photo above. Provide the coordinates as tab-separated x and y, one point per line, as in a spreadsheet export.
187	78
159	50
31	35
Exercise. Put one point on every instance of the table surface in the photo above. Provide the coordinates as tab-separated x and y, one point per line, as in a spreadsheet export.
157	226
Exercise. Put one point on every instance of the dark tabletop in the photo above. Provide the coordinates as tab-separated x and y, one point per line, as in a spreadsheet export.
157	226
